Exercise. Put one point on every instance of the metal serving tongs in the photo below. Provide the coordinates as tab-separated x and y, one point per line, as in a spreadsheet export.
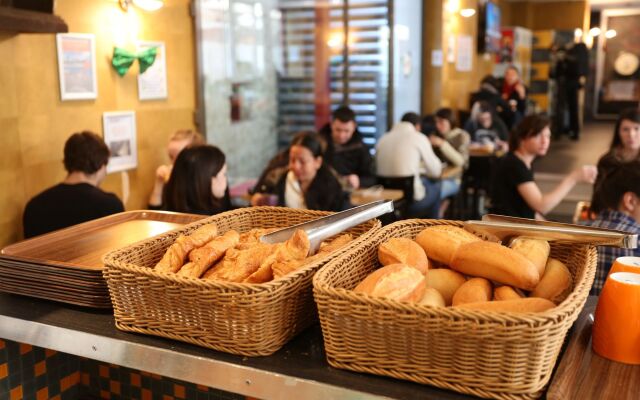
504	228
326	227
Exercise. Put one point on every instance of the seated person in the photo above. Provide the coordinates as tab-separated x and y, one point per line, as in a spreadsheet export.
513	190
490	93
486	129
451	145
346	152
619	195
625	146
78	198
307	183
514	93
178	141
198	182
404	151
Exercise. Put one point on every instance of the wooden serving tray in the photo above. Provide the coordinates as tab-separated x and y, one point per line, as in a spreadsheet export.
584	375
82	246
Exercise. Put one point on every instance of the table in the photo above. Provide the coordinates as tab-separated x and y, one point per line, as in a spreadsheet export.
363	196
298	371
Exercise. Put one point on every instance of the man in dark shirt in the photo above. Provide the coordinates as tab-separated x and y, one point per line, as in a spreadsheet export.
509	173
77	199
346	152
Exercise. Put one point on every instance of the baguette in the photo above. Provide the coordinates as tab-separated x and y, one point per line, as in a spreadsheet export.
432	298
440	242
403	251
525	305
472	291
445	281
497	263
556	282
396	281
506	293
535	250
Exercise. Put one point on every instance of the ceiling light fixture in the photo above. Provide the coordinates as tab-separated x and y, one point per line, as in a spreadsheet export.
468	12
611	33
147	5
595	31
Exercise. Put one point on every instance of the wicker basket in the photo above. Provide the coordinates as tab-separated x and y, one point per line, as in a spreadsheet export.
246	319
487	354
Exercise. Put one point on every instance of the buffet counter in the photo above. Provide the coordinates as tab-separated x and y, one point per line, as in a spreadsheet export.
299	370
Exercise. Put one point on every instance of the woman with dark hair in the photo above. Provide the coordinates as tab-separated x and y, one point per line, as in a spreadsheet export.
486	128
515	94
307	183
625	147
198	182
513	190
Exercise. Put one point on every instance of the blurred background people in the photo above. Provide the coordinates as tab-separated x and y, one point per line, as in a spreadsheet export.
513	190
490	92
619	209
198	182
514	92
346	152
178	141
78	198
307	182
451	145
404	151
625	147
486	128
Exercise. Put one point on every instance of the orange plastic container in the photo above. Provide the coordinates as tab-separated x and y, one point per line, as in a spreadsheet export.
626	264
616	327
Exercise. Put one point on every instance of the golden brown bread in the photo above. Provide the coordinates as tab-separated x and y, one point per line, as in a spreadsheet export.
403	251
397	281
506	293
282	268
445	281
440	242
327	247
204	257
238	264
556	282
432	297
177	253
535	250
295	248
525	305
497	263
472	291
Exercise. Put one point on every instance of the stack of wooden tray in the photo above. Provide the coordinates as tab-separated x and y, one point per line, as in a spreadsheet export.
66	265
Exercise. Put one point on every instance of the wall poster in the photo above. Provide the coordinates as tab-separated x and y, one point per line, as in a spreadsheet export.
77	66
120	135
152	84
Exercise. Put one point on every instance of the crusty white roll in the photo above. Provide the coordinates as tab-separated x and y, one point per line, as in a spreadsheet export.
497	263
445	281
536	250
556	282
506	293
432	297
440	242
525	305
396	281
472	291
403	251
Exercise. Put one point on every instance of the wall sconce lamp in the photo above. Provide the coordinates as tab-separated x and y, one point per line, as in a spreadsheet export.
468	12
147	5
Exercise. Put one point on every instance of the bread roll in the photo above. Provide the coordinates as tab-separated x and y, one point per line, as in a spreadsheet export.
506	293
440	242
445	281
556	282
177	253
397	281
403	251
432	297
535	250
472	291
497	263
525	305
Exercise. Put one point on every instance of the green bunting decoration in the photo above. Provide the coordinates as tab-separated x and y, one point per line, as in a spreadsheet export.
122	59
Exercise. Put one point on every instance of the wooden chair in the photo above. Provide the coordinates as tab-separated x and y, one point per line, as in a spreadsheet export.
404	183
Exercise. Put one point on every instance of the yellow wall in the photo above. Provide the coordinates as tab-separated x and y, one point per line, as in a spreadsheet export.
558	15
34	123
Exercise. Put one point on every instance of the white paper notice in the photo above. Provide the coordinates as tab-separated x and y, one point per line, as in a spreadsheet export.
464	59
120	136
152	84
436	58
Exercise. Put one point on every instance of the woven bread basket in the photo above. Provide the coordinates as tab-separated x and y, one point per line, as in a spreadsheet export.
487	354
238	318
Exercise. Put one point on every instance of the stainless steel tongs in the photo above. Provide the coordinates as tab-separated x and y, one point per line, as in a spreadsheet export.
326	227
506	227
